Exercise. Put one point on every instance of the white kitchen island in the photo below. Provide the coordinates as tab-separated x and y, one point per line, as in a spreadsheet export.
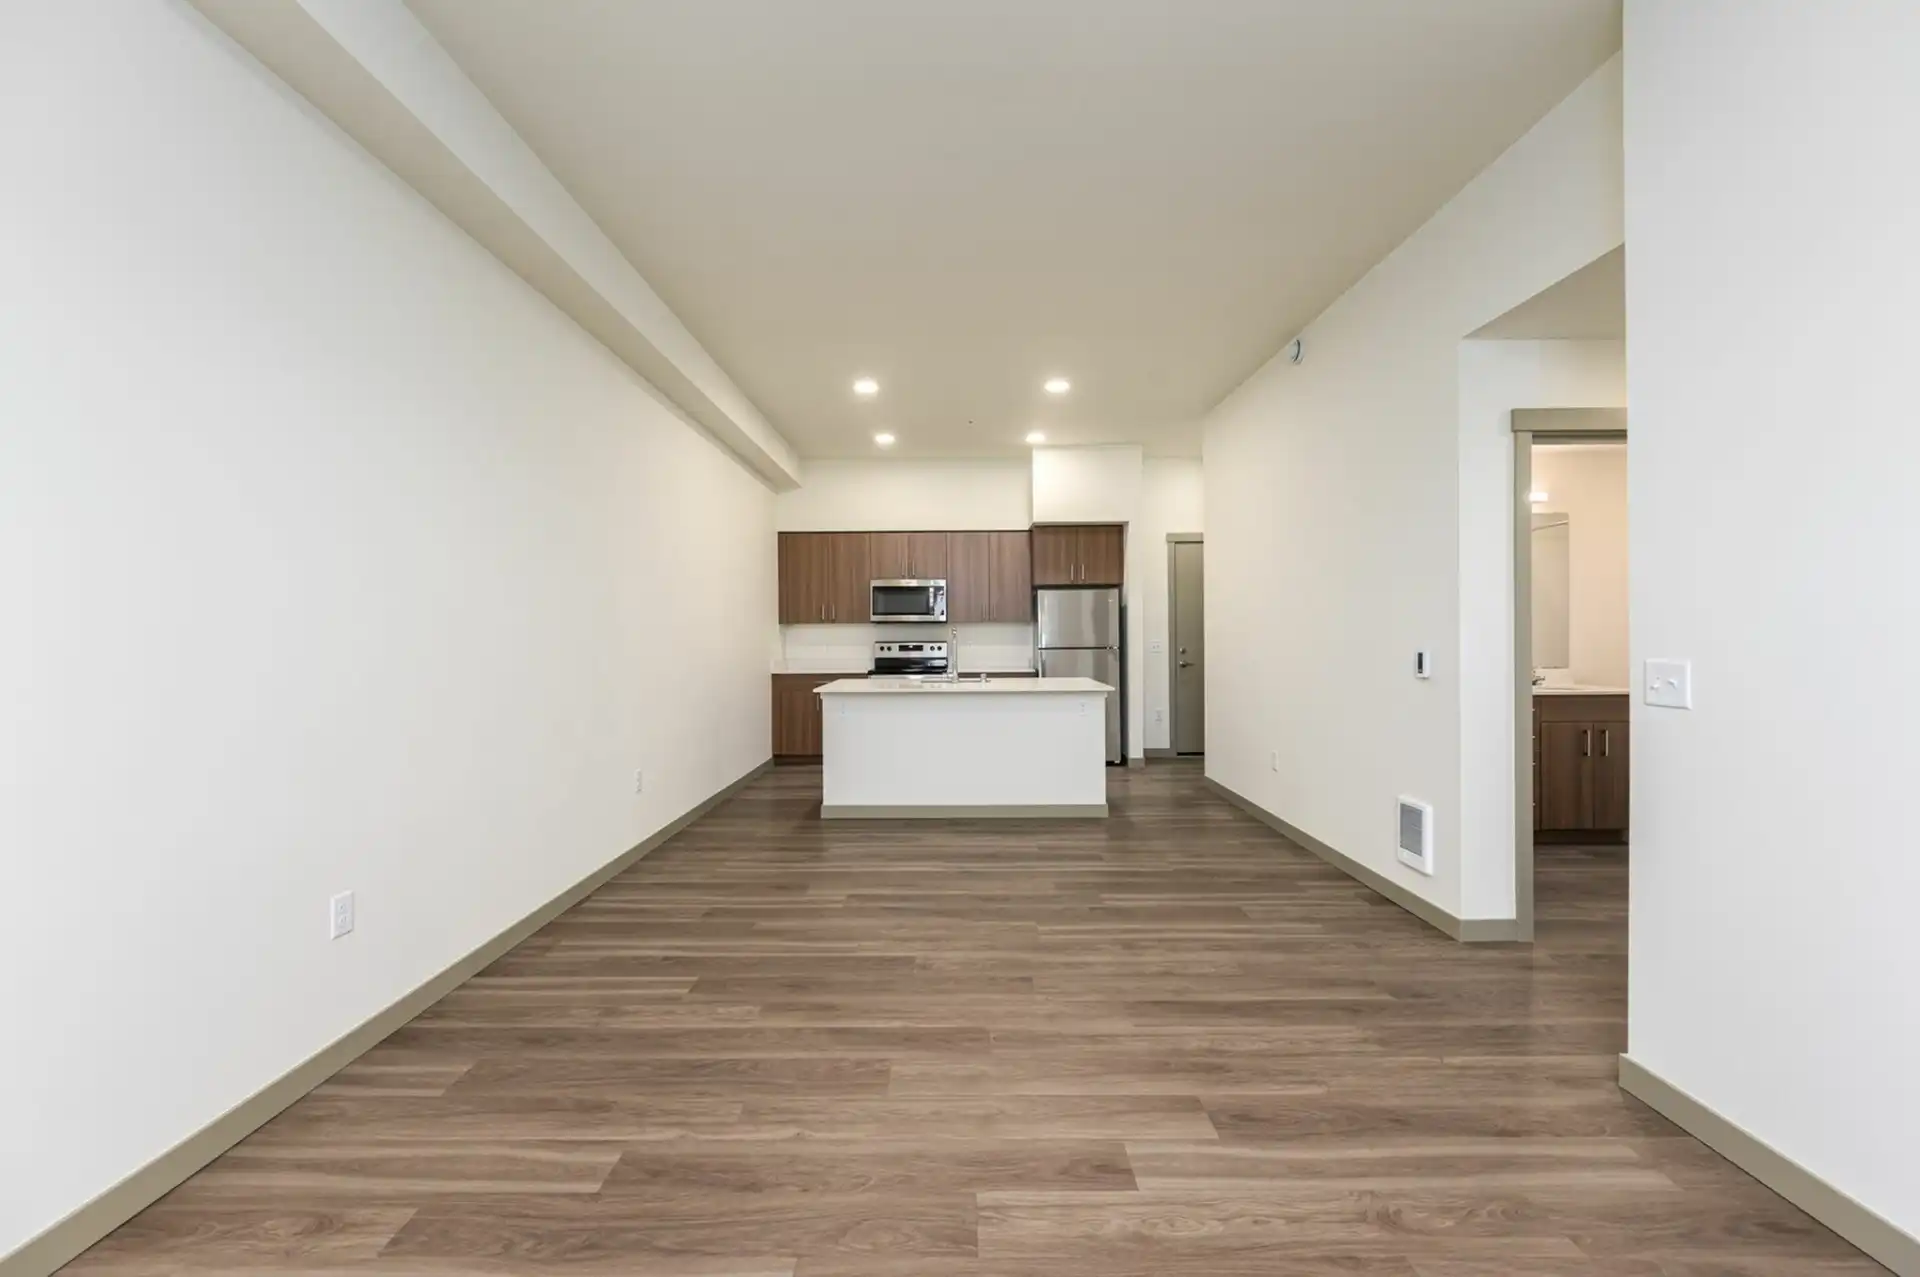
894	747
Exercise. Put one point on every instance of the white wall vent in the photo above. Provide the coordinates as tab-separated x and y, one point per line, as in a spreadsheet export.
1416	834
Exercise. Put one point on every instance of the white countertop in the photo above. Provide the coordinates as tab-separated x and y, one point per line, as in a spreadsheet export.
882	686
1544	690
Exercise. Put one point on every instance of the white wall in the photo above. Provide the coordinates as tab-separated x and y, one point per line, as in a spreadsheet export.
899	496
1495	377
1588	483
1172	499
1086	485
336	559
1334	494
1771	332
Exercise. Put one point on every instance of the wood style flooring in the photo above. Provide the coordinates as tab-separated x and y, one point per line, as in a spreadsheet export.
1166	1043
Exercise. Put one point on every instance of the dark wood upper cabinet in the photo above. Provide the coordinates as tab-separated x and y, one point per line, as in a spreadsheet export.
825	577
1012	596
896	556
790	560
1103	554
1080	554
805	568
887	555
969	570
1056	555
849	591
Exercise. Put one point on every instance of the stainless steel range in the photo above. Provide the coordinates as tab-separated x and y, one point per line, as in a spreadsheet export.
911	660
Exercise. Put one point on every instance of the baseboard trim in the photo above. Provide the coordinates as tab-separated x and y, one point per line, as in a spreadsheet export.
1160	753
1137	760
1465	930
1021	811
42	1255
1880	1238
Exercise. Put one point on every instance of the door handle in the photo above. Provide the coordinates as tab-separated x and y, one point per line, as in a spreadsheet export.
1185	664
1586	742
1606	742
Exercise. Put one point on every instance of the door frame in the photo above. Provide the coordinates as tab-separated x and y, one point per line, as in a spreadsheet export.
1173	604
1531	425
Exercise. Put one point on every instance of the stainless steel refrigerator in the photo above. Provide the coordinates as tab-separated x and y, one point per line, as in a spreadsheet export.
1078	636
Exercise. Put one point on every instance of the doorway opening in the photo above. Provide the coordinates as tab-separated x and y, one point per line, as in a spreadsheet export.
1187	637
1572	674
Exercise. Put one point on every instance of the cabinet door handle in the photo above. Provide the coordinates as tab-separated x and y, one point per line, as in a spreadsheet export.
1586	742
1606	742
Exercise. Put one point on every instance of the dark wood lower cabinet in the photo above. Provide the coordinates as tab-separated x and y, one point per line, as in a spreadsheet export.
1580	764
1610	758
796	713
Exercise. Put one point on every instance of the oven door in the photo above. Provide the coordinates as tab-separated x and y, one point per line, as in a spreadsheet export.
903	601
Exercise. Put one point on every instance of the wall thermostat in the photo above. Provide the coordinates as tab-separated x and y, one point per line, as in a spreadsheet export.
1422	664
1297	351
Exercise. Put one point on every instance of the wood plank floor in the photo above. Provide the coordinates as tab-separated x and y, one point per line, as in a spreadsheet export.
1166	1043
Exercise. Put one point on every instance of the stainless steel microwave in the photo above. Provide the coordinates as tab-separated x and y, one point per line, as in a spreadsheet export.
909	600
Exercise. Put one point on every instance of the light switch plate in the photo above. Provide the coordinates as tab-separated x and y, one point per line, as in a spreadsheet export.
340	915
1670	684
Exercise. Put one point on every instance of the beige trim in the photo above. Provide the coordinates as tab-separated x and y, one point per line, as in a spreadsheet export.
58	1245
1163	753
1140	761
1523	682
1466	930
1602	422
1878	1236
845	811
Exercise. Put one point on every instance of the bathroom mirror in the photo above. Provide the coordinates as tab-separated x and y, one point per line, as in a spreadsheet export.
1551	590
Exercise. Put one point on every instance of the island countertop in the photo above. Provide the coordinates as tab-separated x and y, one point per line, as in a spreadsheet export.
882	686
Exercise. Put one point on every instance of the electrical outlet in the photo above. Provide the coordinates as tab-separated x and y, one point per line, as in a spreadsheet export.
1159	716
639	781
340	915
1155	647
1273	760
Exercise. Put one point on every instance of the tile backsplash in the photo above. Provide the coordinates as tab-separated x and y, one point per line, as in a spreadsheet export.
848	649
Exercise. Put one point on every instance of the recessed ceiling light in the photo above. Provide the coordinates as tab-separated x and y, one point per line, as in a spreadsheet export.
1036	436
1058	385
1536	496
884	439
866	386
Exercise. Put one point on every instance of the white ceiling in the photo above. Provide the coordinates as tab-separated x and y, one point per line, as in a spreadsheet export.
1146	196
1589	304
